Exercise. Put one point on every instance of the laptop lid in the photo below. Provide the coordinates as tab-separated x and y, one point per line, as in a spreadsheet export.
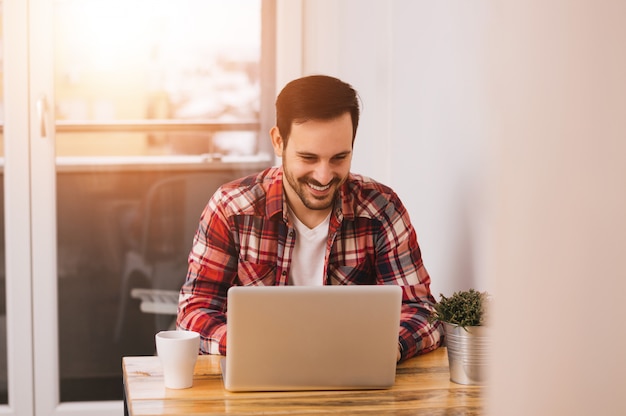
312	338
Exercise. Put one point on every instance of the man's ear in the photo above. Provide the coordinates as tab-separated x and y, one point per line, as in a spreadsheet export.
277	141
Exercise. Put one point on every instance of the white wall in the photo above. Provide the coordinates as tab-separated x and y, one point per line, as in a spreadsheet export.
502	125
417	67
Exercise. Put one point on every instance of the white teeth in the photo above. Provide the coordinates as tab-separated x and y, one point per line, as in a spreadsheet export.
319	188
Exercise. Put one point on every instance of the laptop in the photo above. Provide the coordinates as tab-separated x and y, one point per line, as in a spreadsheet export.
282	338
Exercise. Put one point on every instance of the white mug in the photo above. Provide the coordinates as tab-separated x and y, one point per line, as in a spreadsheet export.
178	351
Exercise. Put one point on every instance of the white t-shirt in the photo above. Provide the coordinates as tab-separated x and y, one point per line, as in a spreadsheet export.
307	264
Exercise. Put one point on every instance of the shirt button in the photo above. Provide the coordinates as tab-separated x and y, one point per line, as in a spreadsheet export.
290	233
284	273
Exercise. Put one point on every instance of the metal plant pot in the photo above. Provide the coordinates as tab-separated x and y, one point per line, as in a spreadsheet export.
468	353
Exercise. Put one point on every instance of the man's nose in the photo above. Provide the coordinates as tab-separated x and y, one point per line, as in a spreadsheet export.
323	173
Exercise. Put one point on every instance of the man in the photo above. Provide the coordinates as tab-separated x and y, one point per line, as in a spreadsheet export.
309	222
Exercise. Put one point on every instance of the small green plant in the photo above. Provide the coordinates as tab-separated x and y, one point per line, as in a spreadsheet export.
464	308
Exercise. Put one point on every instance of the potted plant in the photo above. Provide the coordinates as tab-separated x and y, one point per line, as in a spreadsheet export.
464	317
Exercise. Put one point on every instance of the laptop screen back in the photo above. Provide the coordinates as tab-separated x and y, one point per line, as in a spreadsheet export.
312	338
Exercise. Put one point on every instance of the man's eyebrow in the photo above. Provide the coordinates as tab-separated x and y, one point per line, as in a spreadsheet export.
309	154
306	154
346	153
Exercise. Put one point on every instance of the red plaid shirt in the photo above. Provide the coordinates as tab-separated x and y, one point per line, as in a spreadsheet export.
245	238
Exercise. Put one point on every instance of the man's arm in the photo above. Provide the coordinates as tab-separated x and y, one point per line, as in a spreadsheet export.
399	261
212	269
417	335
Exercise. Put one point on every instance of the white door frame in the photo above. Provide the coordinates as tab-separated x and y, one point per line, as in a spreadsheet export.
30	189
17	210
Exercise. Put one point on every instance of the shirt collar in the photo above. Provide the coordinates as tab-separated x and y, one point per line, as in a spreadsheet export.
275	200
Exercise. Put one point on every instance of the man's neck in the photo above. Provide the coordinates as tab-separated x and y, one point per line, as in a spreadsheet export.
309	217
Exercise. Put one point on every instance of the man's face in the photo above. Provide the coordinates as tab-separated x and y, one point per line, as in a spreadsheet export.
316	162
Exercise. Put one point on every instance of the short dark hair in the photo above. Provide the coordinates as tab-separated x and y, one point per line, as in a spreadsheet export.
315	97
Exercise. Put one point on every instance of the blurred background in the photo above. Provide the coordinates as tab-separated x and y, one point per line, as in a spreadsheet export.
500	125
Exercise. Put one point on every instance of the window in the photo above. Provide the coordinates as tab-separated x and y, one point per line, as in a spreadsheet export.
145	92
159	77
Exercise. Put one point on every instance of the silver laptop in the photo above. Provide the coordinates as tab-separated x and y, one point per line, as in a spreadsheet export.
311	338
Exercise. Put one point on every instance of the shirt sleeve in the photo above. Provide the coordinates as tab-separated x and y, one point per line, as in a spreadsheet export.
417	335
399	261
212	269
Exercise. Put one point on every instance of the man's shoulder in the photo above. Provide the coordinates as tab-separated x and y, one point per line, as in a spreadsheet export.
249	194
262	178
363	188
368	197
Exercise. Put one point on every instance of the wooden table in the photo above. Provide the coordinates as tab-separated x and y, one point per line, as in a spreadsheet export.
422	386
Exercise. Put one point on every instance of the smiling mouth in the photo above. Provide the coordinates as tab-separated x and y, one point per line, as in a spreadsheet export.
319	188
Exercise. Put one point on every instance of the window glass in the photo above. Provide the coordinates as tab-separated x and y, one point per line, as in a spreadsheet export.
134	63
157	103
